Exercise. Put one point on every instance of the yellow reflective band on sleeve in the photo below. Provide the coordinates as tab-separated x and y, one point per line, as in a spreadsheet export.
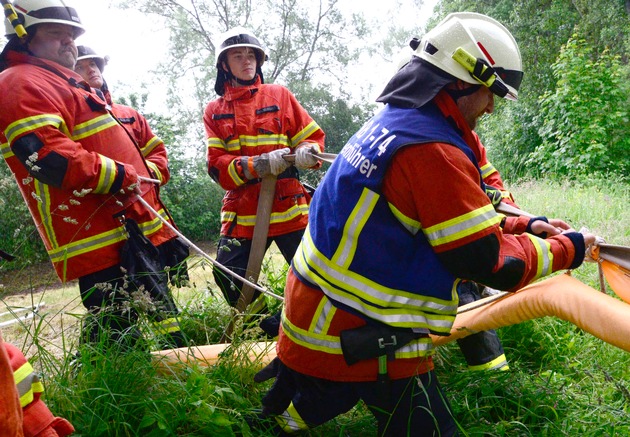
487	170
156	171
545	256
353	227
167	326
29	124
462	226
236	178
27	383
413	226
499	363
93	126
290	421
216	143
150	146
302	135
107	176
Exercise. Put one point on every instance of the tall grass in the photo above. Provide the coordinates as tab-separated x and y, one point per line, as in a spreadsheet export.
562	381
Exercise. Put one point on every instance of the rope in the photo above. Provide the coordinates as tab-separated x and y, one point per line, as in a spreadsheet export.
205	255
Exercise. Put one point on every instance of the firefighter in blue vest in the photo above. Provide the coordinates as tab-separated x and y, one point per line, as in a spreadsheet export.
398	222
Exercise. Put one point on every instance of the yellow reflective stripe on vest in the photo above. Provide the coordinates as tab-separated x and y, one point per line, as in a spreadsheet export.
86	245
6	151
276	217
390	306
45	209
323	316
320	341
308	130
107	176
29	124
263	140
462	226
413	226
344	255
315	341
27	383
93	126
103	239
545	256
151	145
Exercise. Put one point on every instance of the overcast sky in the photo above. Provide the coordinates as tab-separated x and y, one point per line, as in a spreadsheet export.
136	43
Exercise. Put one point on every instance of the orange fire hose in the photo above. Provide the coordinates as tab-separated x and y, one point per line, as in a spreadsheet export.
561	296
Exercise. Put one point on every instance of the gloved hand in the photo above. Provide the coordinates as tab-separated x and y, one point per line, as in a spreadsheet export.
271	163
592	242
304	157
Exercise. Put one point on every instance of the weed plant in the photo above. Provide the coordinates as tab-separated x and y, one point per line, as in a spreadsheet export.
562	381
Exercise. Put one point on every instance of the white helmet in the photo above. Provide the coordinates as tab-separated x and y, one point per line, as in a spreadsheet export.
32	12
239	37
476	49
85	52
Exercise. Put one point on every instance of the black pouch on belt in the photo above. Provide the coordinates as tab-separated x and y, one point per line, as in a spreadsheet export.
373	341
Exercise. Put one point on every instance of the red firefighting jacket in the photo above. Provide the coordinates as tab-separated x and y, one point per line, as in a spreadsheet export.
74	164
249	121
152	147
432	188
23	413
489	173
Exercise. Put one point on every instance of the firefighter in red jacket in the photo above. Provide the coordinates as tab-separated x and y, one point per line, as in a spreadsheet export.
22	412
77	168
399	220
249	128
90	66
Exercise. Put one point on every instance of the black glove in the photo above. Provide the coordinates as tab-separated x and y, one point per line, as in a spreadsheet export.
269	371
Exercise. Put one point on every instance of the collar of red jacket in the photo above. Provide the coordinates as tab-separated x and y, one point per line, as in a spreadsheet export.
16	58
241	92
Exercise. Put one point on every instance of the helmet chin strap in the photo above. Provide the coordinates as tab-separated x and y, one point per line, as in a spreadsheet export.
231	77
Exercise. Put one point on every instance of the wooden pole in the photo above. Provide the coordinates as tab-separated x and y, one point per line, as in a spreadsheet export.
258	248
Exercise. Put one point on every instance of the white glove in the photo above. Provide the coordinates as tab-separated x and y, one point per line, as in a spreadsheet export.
277	164
304	157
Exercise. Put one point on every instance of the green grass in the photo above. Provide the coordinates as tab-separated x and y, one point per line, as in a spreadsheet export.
562	381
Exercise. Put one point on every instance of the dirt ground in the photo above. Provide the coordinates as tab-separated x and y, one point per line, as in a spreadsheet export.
56	324
59	310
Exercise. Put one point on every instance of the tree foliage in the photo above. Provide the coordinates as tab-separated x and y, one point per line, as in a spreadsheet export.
541	29
584	121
